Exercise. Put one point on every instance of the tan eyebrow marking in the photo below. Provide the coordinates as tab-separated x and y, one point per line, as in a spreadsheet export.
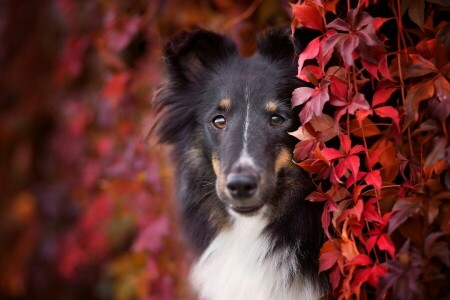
271	106
225	104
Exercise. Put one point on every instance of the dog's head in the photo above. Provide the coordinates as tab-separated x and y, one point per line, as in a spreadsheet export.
231	111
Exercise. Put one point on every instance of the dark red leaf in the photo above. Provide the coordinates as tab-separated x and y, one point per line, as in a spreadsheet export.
403	209
420	67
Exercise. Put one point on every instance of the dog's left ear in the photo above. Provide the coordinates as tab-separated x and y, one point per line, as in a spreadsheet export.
277	44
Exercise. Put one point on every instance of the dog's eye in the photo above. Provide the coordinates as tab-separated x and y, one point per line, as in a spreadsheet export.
219	122
276	120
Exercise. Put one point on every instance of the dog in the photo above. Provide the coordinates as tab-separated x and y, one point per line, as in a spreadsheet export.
241	196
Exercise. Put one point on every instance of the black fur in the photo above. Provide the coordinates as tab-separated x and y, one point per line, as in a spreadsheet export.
201	67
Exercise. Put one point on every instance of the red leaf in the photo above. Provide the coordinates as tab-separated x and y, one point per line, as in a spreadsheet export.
308	16
361	260
382	94
371	68
374	178
303	149
385	243
301	95
373	159
352	163
357	149
378	22
330	154
389	112
311	51
345	142
328	256
311	73
314	166
384	69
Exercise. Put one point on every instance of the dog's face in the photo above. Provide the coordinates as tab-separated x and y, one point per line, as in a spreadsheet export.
237	108
245	113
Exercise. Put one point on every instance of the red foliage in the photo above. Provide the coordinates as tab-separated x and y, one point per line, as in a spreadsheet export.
388	173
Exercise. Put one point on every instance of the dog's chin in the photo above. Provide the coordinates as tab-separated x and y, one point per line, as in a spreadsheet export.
247	211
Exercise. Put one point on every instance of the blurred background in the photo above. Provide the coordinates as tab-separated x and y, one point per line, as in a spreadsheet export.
86	202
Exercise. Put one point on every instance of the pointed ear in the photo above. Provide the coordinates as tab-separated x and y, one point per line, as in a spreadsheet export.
277	44
190	53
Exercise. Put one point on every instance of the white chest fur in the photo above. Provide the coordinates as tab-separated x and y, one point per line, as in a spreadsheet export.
238	265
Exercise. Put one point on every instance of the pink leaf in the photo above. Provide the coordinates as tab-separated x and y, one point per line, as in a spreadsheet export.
301	95
310	52
339	24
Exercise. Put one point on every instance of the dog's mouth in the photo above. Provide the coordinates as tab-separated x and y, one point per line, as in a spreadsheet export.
245	210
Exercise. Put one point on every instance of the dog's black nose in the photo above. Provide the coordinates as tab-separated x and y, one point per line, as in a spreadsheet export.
242	186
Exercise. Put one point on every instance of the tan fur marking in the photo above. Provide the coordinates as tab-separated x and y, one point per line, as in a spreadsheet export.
225	104
271	106
284	160
215	164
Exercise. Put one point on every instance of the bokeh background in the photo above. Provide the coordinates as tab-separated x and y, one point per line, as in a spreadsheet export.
86	199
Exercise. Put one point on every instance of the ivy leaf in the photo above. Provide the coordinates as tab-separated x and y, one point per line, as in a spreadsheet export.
374	178
311	51
416	94
389	112
420	67
416	10
317	98
385	243
301	95
328	256
403	209
307	16
382	94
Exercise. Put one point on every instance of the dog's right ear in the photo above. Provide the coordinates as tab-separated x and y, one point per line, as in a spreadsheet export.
190	53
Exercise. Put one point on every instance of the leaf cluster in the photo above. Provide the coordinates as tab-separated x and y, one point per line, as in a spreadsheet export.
381	160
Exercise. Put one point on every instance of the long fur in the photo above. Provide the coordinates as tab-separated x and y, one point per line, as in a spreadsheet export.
272	254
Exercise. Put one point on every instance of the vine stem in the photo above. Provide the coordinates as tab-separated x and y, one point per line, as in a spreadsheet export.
403	50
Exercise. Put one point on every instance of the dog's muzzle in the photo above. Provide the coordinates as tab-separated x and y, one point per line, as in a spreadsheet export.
242	187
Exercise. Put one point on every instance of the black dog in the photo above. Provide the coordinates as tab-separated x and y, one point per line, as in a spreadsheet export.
242	198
